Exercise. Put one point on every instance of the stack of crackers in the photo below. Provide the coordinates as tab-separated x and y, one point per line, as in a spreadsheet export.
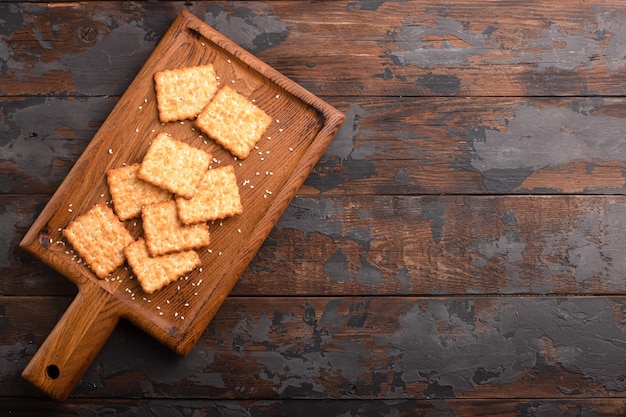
173	189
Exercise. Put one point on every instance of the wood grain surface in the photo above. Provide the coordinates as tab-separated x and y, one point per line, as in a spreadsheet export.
457	251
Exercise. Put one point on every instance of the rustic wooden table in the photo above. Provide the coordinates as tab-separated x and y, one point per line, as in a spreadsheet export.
457	251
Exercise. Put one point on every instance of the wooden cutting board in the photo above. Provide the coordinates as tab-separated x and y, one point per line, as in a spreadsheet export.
268	179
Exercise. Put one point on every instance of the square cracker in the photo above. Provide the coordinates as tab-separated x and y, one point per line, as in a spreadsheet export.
217	197
153	273
99	237
174	165
182	93
233	121
165	233
129	193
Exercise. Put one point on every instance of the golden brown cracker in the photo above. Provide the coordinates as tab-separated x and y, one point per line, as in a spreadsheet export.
165	233
233	121
99	237
153	273
130	193
174	165
217	197
182	93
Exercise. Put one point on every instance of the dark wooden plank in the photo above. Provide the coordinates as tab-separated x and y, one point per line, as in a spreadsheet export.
393	245
607	407
475	146
401	146
352	347
336	48
42	137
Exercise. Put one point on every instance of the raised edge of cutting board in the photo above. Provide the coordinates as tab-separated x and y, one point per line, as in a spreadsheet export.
268	179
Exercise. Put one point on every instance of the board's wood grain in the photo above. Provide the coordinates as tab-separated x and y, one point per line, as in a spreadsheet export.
353	347
308	125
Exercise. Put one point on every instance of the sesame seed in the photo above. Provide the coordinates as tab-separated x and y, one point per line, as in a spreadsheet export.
140	107
137	130
277	95
228	60
110	151
290	149
281	129
176	314
186	304
232	81
69	210
277	121
160	313
238	231
202	43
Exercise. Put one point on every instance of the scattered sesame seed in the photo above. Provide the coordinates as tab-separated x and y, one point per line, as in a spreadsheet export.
176	314
232	81
252	186
238	231
220	253
228	60
69	210
182	317
186	304
202	43
140	107
281	129
160	313
110	151
136	130
145	100
269	138
262	159
290	149
277	121
277	95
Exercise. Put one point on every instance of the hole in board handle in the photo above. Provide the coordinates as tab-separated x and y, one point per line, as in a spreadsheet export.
53	371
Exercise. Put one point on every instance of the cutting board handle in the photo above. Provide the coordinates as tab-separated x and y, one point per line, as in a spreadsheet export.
73	344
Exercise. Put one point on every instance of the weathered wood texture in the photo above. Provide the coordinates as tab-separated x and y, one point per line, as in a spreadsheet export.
403	245
367	47
388	145
457	251
315	408
368	347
